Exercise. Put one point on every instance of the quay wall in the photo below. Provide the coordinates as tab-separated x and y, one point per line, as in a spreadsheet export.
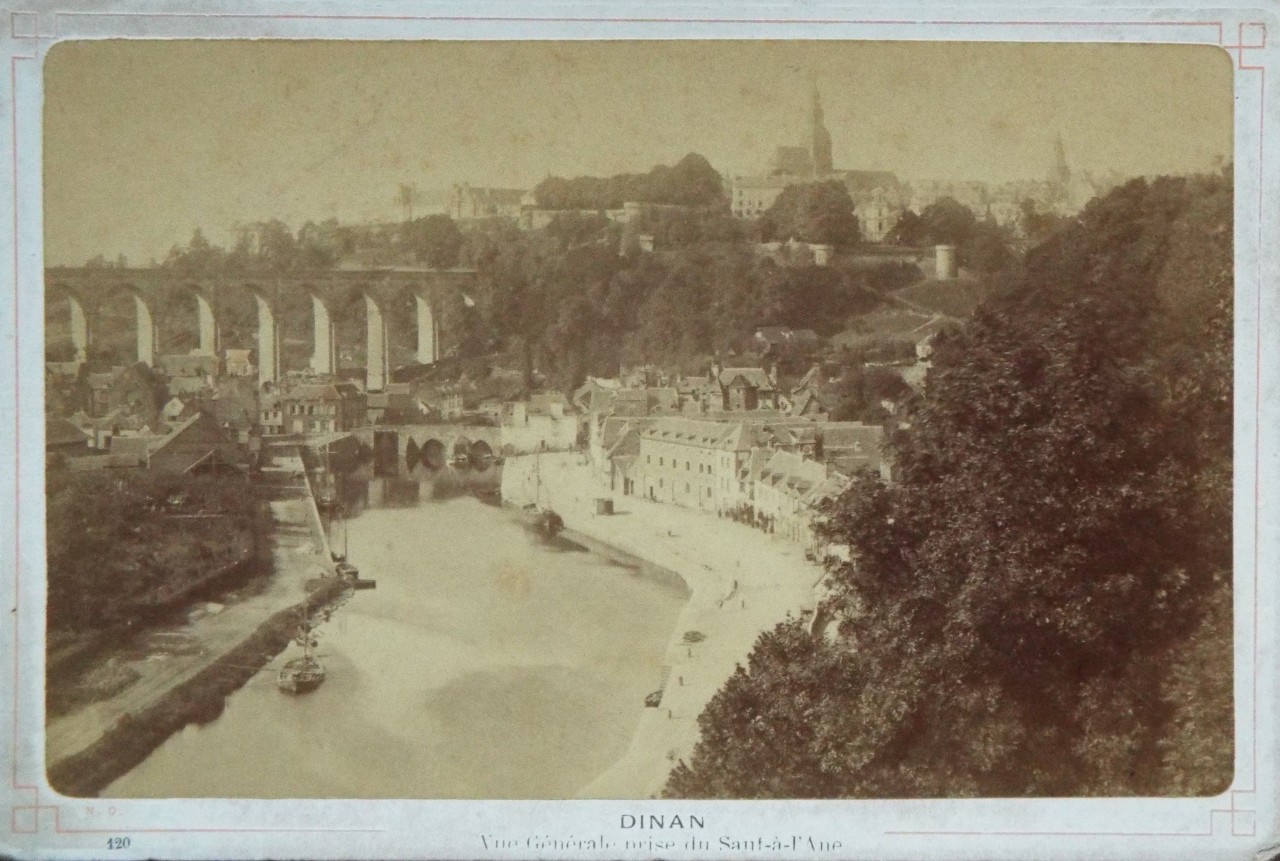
319	536
199	699
645	568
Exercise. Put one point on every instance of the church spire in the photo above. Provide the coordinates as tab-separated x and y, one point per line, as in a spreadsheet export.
1060	173
820	138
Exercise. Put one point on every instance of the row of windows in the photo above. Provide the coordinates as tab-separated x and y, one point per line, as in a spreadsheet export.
687	487
662	461
308	409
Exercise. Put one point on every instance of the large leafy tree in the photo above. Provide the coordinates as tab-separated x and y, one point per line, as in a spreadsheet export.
819	212
1021	606
434	240
983	245
692	181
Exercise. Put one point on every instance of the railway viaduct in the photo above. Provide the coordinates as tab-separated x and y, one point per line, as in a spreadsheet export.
86	289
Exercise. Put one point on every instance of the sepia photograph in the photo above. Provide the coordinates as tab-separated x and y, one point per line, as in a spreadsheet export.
643	420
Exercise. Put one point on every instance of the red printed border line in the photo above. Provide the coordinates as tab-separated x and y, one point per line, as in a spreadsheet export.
25	25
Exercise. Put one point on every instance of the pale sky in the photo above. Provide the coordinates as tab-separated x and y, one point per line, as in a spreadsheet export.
146	140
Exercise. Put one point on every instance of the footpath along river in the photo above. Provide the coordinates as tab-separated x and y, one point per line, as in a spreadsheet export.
485	665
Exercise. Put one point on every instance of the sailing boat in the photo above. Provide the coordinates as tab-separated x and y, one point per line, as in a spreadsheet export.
303	675
344	568
545	523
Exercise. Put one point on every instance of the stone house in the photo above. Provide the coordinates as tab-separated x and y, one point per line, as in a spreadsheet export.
314	408
676	462
744	389
782	491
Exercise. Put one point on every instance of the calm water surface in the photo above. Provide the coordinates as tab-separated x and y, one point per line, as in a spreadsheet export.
484	665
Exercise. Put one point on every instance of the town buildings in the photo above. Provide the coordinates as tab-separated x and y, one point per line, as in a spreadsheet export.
881	197
542	423
772	474
312	407
467	202
195	444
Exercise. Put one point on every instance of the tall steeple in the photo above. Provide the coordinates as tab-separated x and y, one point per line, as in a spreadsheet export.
1060	173
820	138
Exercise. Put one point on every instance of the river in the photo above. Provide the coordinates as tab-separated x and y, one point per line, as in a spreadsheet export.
485	665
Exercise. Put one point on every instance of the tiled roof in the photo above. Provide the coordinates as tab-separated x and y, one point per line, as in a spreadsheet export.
755	465
137	447
687	431
311	392
627	445
58	431
757	377
840	436
793	472
615	427
158	444
829	488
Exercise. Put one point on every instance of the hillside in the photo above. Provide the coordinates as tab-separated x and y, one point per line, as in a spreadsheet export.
957	298
1040	603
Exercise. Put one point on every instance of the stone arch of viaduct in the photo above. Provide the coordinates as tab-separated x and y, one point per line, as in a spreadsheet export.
86	289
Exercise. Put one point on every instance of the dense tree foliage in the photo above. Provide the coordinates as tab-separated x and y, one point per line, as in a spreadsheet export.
677	227
861	389
1040	603
692	181
587	309
982	244
119	543
276	251
818	212
1037	225
434	240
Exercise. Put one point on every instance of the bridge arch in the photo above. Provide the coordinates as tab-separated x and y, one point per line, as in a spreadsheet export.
146	332
395	299
268	335
433	454
481	452
381	302
209	338
77	319
324	351
83	312
461	448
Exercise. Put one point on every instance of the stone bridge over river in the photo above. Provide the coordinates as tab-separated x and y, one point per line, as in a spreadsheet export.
332	296
401	447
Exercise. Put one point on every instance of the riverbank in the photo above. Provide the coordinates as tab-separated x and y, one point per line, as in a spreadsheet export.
486	665
175	675
741	583
198	700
